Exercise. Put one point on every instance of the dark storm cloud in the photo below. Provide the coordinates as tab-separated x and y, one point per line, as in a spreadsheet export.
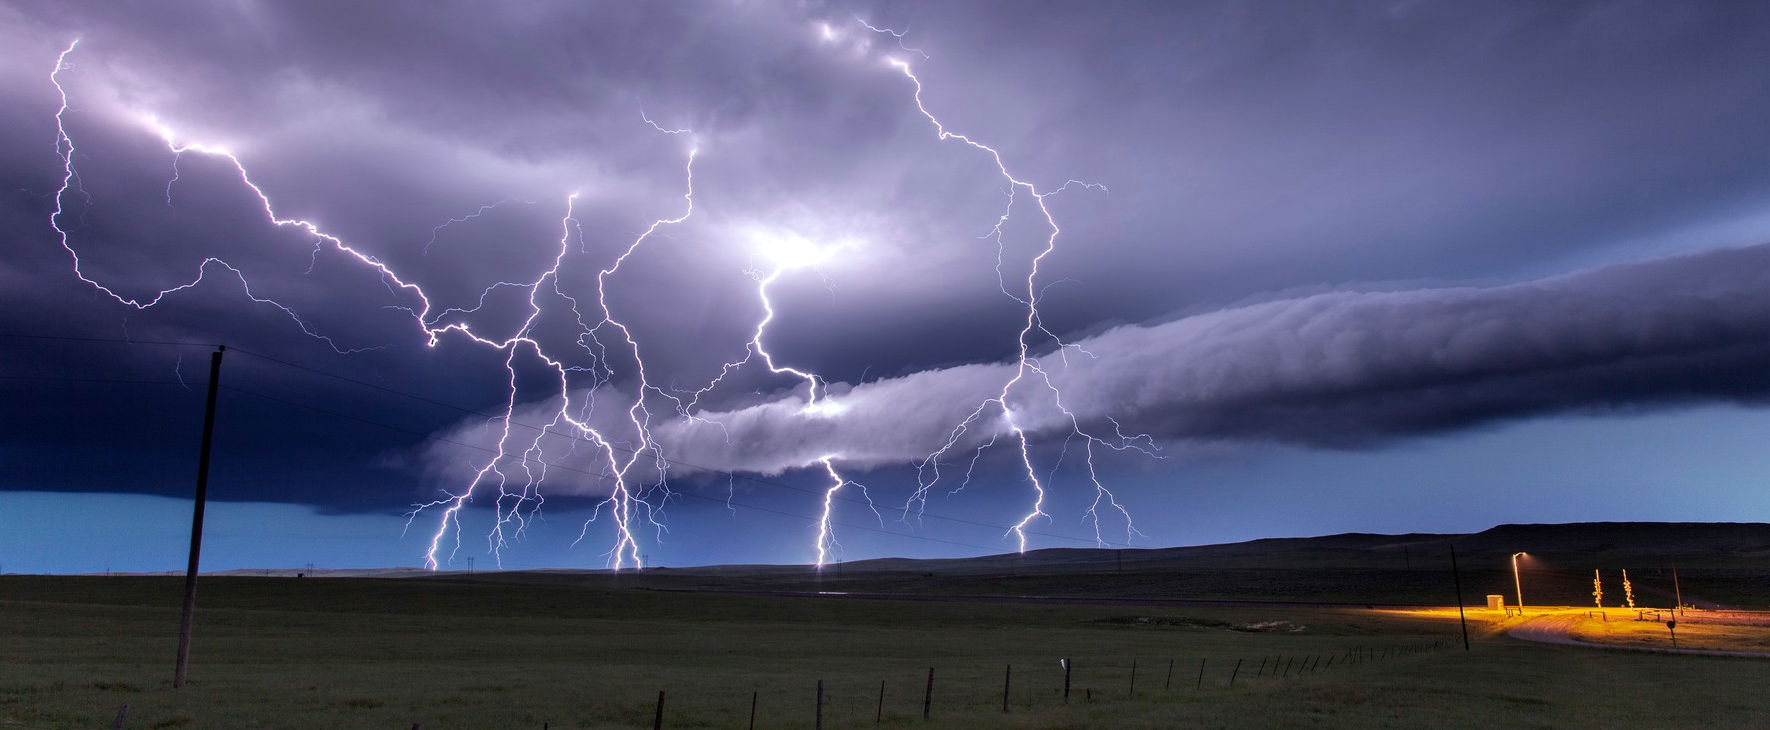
1249	148
1344	369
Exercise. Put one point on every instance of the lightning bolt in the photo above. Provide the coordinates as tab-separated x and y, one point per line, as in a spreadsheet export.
1028	371
605	348
897	34
434	232
791	252
627	503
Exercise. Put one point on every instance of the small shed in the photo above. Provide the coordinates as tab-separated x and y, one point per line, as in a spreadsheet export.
1496	602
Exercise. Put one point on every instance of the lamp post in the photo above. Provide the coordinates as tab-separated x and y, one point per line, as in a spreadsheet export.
1516	585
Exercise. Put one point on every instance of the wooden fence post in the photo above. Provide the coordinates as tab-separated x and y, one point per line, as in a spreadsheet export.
1133	691
928	697
1201	674
878	714
1236	671
1169	682
1007	682
1067	665
820	705
657	720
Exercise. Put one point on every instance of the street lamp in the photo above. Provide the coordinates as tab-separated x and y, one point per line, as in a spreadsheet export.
1515	584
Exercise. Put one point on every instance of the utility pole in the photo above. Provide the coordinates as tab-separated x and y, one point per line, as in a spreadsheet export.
1678	591
1516	584
190	571
1457	578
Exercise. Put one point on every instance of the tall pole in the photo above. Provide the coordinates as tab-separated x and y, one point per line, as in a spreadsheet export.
190	571
1457	578
1678	591
1516	585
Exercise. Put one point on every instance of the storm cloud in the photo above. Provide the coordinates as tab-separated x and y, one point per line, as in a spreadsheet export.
1337	227
1343	369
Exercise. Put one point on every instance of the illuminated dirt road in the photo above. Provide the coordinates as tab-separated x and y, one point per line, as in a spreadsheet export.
1557	628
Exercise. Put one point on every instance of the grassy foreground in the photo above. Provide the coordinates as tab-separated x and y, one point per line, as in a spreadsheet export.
289	653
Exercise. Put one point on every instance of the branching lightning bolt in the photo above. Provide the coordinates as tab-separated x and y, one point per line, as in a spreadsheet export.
1028	369
795	253
437	231
626	503
604	346
897	34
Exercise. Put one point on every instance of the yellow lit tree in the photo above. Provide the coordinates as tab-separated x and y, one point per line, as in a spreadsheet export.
1628	590
1597	589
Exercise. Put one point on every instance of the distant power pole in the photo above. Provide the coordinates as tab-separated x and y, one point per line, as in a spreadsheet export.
190	571
1456	578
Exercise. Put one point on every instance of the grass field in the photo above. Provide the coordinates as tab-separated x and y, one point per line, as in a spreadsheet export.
307	653
1695	632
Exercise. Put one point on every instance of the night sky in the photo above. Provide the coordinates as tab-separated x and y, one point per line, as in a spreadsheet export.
1318	267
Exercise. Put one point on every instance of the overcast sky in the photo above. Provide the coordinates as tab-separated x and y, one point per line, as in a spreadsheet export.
1316	267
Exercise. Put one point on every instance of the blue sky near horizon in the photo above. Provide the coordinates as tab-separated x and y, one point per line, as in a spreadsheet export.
1562	470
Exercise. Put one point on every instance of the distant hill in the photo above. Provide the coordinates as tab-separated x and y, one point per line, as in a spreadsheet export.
1717	563
1725	564
1710	544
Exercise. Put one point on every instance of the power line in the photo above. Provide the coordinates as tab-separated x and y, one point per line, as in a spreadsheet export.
49	379
117	340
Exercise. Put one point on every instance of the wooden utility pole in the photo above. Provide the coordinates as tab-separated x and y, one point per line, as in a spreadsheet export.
1457	578
1676	589
190	571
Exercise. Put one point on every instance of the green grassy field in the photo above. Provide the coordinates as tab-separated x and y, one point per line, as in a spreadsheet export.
309	653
